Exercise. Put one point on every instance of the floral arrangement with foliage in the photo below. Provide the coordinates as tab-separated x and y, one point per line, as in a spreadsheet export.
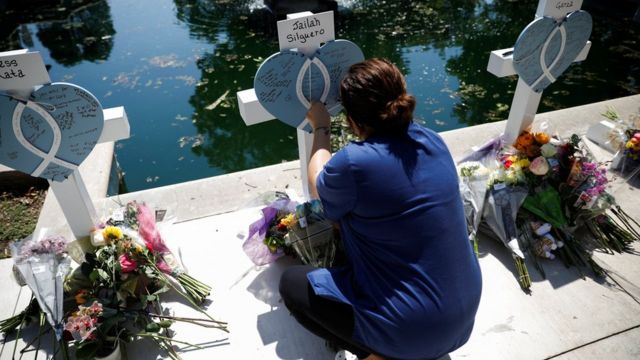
289	228
540	190
113	297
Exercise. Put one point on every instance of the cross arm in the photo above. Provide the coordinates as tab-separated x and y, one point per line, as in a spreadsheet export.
116	125
501	61
250	109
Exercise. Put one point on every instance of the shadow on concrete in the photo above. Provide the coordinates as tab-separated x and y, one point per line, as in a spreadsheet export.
556	273
29	335
265	286
292	340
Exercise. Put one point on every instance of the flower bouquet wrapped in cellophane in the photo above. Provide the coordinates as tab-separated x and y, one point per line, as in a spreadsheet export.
474	171
625	138
42	264
312	236
265	241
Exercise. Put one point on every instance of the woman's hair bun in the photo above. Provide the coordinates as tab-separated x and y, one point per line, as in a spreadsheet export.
374	94
399	112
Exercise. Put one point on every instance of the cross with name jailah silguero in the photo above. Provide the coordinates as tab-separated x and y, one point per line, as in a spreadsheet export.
48	129
547	46
305	32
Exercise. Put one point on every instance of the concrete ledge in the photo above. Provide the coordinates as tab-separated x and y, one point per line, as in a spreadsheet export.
567	315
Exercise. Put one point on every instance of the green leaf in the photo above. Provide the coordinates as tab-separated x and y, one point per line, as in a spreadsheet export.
93	276
165	323
152	327
130	285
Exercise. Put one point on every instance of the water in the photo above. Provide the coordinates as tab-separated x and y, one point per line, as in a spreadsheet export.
169	63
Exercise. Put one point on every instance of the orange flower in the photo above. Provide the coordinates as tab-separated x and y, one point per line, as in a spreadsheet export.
525	139
542	138
81	296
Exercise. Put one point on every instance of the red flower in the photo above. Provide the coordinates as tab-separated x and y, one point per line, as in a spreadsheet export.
127	264
282	227
507	164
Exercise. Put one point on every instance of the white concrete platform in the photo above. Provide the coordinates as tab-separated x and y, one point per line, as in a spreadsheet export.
565	317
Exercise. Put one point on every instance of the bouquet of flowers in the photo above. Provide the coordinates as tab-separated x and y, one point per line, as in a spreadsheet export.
42	264
137	224
113	297
474	171
543	191
122	281
265	242
312	235
289	228
625	137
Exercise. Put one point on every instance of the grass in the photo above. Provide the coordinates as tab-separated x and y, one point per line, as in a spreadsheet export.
18	216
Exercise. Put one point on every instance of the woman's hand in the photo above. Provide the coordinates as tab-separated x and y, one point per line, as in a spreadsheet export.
318	116
320	151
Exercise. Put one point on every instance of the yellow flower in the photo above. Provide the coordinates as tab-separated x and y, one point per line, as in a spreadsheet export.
523	163
288	220
139	249
111	233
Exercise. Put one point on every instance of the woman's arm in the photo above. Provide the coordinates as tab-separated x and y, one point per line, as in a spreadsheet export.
321	150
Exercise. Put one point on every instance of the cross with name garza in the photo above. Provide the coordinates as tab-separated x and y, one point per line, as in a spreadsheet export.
501	62
291	35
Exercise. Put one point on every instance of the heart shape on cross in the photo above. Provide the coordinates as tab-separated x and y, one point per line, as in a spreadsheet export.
51	133
546	48
287	82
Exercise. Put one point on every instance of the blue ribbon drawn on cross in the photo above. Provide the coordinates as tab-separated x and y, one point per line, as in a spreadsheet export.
49	134
288	81
546	48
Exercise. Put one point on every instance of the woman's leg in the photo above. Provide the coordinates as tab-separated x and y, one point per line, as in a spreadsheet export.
326	318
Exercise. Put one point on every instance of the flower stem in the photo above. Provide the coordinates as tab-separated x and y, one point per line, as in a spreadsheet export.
155	336
196	306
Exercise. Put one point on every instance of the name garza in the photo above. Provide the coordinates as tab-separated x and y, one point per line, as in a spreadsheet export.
304	30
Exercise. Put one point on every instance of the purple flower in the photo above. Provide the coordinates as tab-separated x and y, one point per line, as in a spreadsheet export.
50	245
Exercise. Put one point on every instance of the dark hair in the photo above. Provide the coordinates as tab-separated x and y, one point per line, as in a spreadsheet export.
374	94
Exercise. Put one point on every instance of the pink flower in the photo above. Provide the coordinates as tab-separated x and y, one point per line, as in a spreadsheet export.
149	232
162	265
127	264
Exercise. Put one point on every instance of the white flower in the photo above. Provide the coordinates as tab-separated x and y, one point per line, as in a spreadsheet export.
97	239
539	166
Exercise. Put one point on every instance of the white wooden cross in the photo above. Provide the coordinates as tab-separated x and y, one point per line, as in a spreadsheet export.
21	72
291	35
525	100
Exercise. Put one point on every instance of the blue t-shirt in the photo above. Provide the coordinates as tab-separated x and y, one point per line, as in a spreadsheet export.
412	278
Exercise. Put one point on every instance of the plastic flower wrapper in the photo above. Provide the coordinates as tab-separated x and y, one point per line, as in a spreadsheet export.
43	263
312	236
500	213
474	175
255	246
546	204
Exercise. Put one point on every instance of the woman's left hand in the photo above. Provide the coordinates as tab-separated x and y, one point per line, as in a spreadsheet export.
318	115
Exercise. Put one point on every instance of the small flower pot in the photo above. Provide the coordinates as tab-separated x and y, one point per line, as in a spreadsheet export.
116	354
